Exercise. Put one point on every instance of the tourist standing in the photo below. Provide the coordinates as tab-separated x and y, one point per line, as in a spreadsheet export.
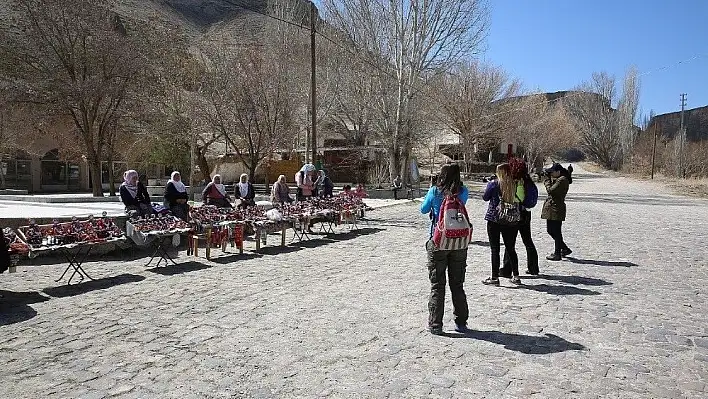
397	186
557	182
520	172
505	195
305	185
454	262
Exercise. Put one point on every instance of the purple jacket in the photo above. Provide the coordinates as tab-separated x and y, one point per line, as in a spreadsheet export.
491	194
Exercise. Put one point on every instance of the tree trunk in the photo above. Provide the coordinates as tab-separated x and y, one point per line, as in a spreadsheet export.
204	165
95	169
393	162
2	175
111	179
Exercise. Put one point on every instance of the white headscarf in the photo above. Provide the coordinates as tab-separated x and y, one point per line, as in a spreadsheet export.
243	187
178	184
220	187
128	182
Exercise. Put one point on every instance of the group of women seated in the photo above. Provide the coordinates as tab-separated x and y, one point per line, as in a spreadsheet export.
136	199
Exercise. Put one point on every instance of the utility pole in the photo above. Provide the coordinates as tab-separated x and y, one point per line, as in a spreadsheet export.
656	129
313	85
682	132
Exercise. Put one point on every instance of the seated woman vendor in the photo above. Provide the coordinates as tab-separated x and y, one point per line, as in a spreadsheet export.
215	194
176	197
134	195
245	192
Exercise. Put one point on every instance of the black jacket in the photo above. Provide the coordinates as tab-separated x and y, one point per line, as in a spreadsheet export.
4	255
128	200
172	195
249	196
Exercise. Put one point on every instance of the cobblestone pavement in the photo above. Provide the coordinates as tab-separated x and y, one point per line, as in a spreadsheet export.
625	317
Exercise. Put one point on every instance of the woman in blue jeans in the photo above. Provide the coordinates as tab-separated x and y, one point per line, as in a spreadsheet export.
440	261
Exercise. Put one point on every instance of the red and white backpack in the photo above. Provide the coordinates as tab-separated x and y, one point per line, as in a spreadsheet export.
453	229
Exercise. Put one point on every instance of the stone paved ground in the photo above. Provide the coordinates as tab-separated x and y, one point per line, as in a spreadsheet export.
625	318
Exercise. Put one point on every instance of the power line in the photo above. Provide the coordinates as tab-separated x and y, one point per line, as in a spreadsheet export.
419	89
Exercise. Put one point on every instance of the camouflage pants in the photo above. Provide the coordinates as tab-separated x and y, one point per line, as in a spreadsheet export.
455	263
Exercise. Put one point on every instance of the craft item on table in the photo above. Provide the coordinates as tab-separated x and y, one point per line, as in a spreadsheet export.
34	234
13	242
75	232
155	223
111	226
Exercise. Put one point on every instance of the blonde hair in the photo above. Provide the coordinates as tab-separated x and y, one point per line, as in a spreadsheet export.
507	184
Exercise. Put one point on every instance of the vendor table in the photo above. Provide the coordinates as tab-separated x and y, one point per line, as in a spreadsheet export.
225	232
158	240
75	255
264	227
158	244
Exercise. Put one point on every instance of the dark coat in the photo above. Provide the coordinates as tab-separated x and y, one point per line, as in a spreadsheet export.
249	196
172	195
554	206
5	262
142	198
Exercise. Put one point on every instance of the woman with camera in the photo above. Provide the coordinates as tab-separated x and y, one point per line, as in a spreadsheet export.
557	182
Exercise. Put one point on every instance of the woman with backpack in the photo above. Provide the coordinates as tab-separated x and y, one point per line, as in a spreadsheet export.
557	183
449	192
505	195
520	172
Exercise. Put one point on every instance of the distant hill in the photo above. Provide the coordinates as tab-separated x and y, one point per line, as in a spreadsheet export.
696	121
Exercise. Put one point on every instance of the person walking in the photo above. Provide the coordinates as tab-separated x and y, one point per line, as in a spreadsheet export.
397	185
505	195
557	182
520	172
454	262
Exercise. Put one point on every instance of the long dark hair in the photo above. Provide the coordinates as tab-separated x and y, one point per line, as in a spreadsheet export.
449	181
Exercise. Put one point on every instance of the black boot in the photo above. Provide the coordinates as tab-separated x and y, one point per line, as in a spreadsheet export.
554	257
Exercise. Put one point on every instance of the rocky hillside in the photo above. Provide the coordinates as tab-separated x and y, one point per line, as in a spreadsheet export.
696	121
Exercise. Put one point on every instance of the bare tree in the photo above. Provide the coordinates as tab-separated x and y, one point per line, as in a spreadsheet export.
471	100
596	120
543	128
248	103
627	113
407	41
74	59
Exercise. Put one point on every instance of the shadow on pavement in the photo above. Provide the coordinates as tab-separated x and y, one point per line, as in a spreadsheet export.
278	250
92	285
14	306
574	280
480	243
186	267
599	262
321	240
558	289
236	257
529	344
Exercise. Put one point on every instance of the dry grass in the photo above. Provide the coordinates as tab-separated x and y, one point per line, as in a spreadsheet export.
695	187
